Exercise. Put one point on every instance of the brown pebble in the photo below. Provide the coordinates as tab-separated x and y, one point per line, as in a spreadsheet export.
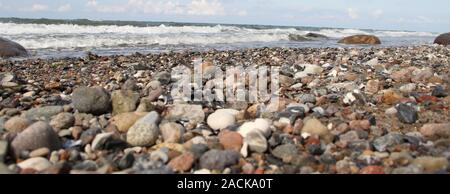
41	152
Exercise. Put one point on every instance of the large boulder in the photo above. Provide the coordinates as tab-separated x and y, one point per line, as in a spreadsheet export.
443	39
360	39
315	36
11	49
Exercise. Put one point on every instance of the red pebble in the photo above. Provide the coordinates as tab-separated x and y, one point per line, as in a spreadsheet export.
372	170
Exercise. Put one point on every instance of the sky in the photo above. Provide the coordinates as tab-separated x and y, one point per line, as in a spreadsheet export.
414	15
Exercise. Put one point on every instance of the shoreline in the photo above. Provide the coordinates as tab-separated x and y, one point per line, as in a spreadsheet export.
83	52
357	110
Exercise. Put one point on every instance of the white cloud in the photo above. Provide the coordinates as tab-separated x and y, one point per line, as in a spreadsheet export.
416	20
153	7
194	7
205	7
64	8
242	13
93	4
377	13
35	8
352	13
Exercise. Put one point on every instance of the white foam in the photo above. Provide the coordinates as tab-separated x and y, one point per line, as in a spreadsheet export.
339	33
37	36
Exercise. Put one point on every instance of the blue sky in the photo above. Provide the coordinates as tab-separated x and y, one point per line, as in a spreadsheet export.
416	15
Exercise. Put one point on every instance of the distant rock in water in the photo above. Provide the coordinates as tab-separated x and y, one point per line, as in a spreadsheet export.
315	36
298	38
360	39
11	49
443	39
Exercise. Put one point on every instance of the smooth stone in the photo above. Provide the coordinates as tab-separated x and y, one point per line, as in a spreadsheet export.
163	77
37	135
89	135
408	88
218	159
391	97
63	121
95	100
443	39
17	124
422	75
6	77
436	129
313	126
360	125
130	84
407	114
256	141
372	86
65	133
124	101
199	149
3	150
431	164
145	131
351	136
38	164
307	98
160	155
315	149
154	90
171	132
100	140
144	165
4	169
182	163
372	170
296	108
286	81
47	112
87	165
411	169
401	158
286	152
126	161
10	48
221	119
41	152
261	125
372	63
360	39
185	112
145	105
349	98
202	171
231	140
381	144
391	111
439	92
309	69
2	124
125	120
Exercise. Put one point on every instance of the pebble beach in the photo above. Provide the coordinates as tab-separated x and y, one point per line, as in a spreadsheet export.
370	110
